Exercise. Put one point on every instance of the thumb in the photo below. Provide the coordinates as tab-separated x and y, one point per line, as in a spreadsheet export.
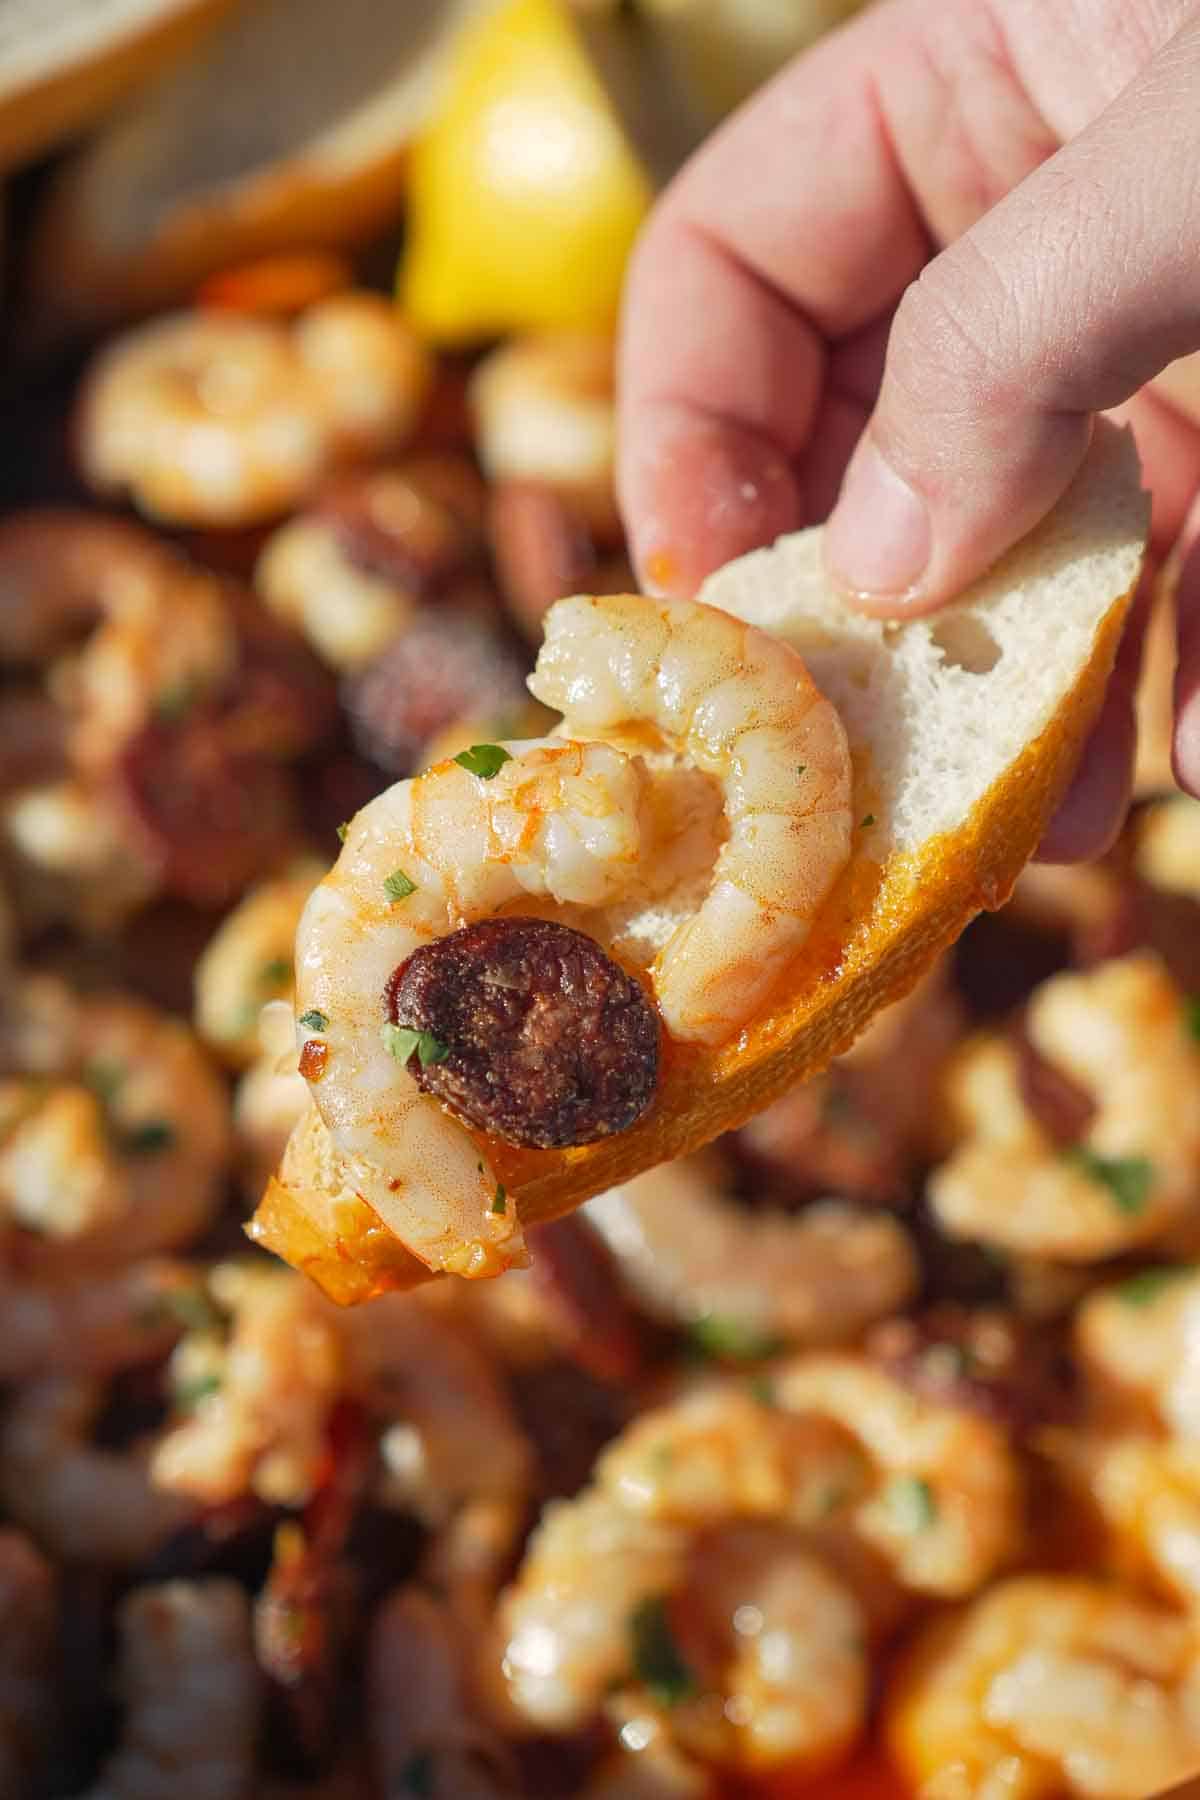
1074	290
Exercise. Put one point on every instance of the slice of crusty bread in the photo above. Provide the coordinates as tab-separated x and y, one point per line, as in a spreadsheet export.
965	730
288	130
62	62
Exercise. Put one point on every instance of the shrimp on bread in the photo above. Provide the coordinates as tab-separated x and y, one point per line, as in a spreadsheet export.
963	731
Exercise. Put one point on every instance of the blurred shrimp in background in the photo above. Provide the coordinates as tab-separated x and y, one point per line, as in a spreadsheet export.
854	1457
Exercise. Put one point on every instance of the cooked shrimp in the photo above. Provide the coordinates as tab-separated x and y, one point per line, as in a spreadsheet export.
248	962
788	1683
93	1322
544	411
428	1737
217	419
256	1393
114	1133
814	1277
1168	846
1046	1687
351	570
81	1501
1139	1342
270	1100
945	1506
74	855
28	1627
449	1431
191	1694
725	1521
1119	1031
465	847
156	627
1146	1491
574	823
740	706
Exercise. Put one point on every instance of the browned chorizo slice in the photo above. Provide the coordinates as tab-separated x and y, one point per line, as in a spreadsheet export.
532	1032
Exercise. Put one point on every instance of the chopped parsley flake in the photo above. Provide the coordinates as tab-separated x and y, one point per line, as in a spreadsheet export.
911	1503
657	1661
187	1395
800	768
314	1020
105	1080
868	819
401	1041
1145	1287
275	973
177	700
500	1200
721	1339
343	831
416	1777
150	1136
1127	1178
1191	1015
397	885
189	1307
484	760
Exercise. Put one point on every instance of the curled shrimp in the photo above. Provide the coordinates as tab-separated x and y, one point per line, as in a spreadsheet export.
113	1131
1119	1031
1049	1686
544	412
1167	851
944	1507
689	1255
191	1694
256	1384
428	1736
80	1500
28	1628
1139	1344
740	706
584	826
91	1322
156	627
247	963
217	419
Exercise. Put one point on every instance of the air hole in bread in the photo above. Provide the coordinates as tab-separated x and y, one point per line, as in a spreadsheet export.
966	643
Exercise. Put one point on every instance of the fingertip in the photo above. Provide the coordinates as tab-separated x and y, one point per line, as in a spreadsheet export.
1091	816
695	493
1185	749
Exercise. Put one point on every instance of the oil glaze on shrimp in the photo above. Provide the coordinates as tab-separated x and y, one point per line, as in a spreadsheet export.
702	844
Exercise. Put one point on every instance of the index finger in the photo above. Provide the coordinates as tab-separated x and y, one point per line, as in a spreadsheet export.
797	225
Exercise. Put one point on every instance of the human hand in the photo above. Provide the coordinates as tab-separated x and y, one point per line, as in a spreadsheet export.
794	329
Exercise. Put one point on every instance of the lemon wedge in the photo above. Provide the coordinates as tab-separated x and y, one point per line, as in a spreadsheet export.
525	194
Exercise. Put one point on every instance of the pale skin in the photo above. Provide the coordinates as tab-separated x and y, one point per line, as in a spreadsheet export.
894	290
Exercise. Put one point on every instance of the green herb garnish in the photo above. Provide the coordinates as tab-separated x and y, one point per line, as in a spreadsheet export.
500	1200
762	1389
397	885
314	1020
416	1777
911	1502
105	1080
1144	1288
1127	1178
187	1395
868	819
800	768
722	1339
1191	1015
657	1661
148	1137
484	760
401	1041
186	1306
177	700
343	831
273	974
